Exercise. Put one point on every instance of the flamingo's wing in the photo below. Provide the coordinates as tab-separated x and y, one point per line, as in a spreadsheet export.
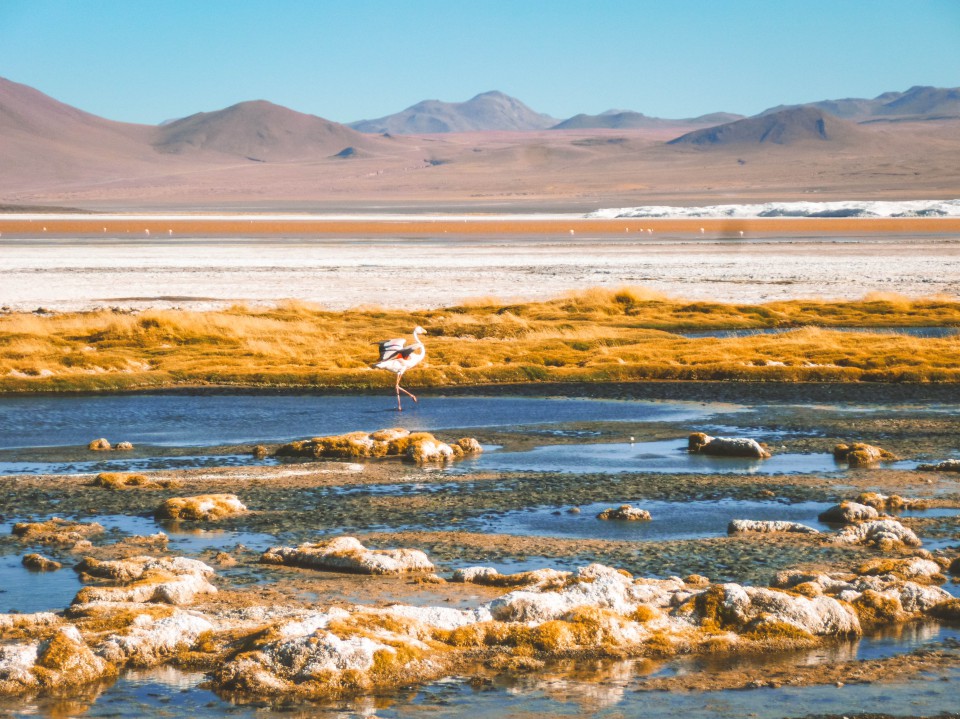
391	348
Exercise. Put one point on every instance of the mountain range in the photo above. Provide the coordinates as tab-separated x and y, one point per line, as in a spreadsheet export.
489	150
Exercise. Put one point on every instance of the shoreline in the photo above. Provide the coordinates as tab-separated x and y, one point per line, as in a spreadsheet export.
644	390
254	225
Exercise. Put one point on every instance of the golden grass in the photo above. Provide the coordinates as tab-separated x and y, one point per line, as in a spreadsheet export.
592	336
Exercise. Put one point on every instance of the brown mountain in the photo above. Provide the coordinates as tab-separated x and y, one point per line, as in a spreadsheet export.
259	130
484	112
787	127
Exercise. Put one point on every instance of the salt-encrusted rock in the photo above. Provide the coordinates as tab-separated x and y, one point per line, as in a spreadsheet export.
149	640
860	454
946	465
176	580
744	526
847	513
203	507
701	443
60	661
750	608
594	586
347	554
442	617
99	445
56	531
912	568
29	621
16	668
882	533
421	447
490	577
124	446
39	563
625	513
890	503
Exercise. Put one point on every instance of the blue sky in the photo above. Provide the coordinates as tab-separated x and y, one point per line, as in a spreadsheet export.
149	60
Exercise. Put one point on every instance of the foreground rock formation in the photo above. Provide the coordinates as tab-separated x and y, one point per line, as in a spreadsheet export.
419	447
625	513
144	612
747	526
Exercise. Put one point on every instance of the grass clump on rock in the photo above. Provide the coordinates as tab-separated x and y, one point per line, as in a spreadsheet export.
124	480
203	507
861	454
419	447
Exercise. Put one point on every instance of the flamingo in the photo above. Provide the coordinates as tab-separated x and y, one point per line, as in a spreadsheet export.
397	358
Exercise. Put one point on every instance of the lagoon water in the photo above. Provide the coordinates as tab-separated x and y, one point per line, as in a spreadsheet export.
205	420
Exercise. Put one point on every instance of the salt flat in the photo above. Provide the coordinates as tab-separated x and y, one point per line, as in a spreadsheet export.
201	273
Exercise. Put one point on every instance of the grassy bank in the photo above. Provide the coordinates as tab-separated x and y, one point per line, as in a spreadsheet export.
593	336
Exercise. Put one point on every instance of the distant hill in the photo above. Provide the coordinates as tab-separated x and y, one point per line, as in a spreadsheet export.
486	111
627	119
918	103
258	130
786	127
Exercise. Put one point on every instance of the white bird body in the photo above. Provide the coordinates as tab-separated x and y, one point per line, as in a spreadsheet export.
397	357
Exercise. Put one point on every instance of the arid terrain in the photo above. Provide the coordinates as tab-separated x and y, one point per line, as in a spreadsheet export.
258	156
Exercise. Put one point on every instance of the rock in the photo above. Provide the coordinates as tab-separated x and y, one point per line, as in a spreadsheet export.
955	567
65	660
948	609
743	526
626	513
446	618
56	531
882	533
167	580
890	503
347	554
490	577
260	452
29	622
748	608
99	445
203	507
150	640
847	513
59	661
700	443
124	446
947	465
860	454
912	568
122	480
421	447
39	563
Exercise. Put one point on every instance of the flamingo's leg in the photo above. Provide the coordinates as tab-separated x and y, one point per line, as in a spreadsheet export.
399	406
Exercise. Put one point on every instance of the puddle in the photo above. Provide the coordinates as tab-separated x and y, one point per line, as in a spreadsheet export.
669	456
670	520
170	420
25	591
185	539
133	464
